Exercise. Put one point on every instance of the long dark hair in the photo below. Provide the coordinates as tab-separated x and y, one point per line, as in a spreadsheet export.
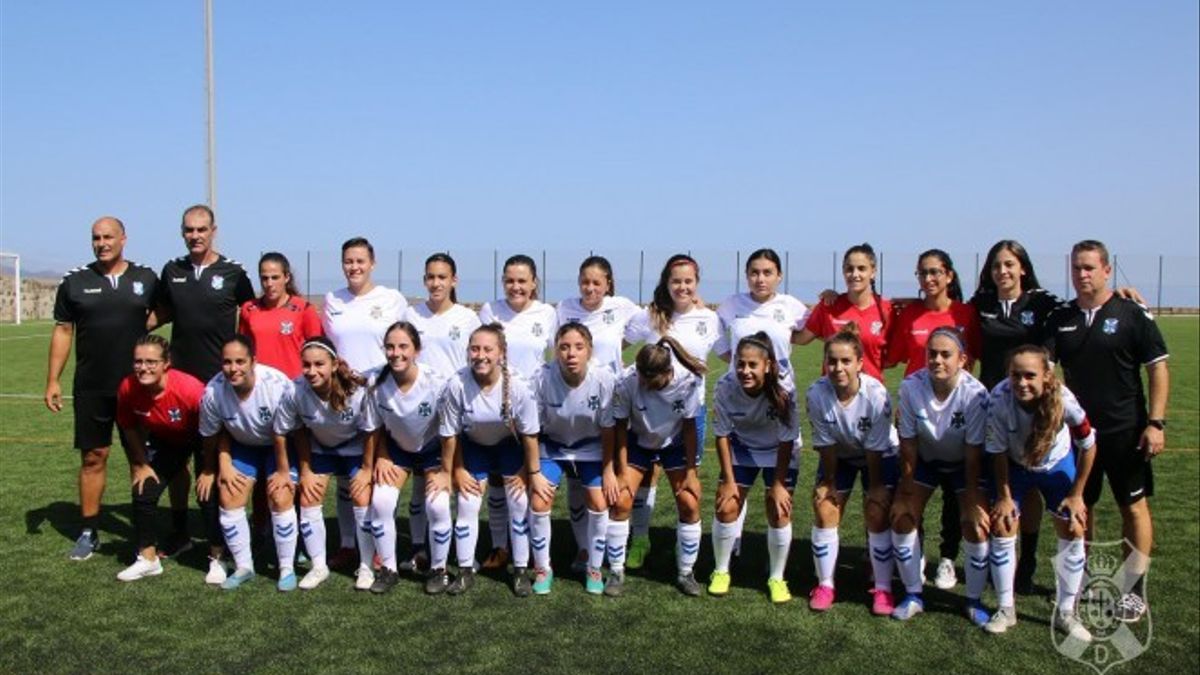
1028	281
605	267
281	260
522	259
769	254
954	290
344	381
662	307
866	250
445	258
654	359
413	334
777	398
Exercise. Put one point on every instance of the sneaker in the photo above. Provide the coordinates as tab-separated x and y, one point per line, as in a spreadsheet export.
1130	608
314	578
1023	581
496	560
883	603
579	566
462	583
287	581
344	559
87	544
687	584
177	545
977	613
418	563
438	581
821	598
639	548
595	581
385	579
614	586
364	578
778	590
542	580
216	572
140	569
945	578
240	576
1068	624
1002	620
718	583
909	607
521	585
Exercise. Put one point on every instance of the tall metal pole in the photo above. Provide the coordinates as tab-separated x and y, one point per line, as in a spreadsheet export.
209	92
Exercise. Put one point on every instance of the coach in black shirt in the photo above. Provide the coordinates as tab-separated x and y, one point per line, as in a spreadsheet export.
104	306
1103	342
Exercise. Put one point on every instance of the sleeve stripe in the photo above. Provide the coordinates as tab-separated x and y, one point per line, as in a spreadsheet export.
1164	357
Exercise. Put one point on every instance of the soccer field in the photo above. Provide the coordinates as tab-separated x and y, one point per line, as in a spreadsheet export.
60	616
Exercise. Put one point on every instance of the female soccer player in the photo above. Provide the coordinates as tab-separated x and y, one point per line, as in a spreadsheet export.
851	419
861	303
942	305
489	424
324	417
756	430
243	400
674	310
280	320
575	408
403	405
158	411
655	404
529	326
355	318
1032	423
943	418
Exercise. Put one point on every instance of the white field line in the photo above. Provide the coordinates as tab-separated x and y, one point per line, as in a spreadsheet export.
25	337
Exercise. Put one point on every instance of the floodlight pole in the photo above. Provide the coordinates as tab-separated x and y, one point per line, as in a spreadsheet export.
208	74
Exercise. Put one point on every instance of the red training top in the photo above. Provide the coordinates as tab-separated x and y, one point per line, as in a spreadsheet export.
279	332
909	333
172	418
873	322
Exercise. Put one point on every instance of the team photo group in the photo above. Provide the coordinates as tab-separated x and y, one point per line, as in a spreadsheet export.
260	404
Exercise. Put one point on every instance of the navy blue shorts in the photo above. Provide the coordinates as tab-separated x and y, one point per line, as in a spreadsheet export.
931	474
429	457
1054	484
258	462
588	473
848	471
505	458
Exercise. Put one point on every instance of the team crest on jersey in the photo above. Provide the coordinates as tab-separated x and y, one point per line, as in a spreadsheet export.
285	327
138	288
864	424
376	312
175	414
264	413
778	315
1110	326
218	282
424	409
593	403
958	420
677	406
702	329
346	415
536	329
876	327
771	414
609	317
455	333
1027	317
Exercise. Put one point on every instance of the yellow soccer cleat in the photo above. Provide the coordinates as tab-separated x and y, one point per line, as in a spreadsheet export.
718	583
779	591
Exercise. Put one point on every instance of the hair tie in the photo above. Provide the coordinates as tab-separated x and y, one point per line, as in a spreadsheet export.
320	345
951	333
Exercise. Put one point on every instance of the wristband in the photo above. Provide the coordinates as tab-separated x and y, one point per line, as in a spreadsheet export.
1159	424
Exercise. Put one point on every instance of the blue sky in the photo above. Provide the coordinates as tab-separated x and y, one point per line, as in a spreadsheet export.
605	126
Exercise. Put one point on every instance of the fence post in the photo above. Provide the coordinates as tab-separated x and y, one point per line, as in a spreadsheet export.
975	279
400	270
307	274
495	274
544	274
737	280
787	272
1116	270
1158	302
641	271
1067	282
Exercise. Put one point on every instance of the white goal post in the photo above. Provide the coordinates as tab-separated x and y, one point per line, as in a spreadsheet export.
16	258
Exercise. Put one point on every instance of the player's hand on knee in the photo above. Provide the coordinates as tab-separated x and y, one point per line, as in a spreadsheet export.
139	474
465	482
780	501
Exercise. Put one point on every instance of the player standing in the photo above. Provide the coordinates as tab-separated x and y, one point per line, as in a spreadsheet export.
281	319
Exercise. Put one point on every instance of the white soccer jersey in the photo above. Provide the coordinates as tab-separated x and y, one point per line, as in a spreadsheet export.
572	417
250	422
752	422
444	336
943	429
657	416
607	324
410	417
468	410
1009	425
333	432
529	333
863	425
741	315
356	324
696	330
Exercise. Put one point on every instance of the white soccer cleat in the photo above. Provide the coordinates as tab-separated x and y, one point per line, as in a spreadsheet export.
314	578
216	572
364	578
1070	625
140	569
945	578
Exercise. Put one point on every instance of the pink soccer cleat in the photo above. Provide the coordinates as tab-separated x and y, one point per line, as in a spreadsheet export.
821	598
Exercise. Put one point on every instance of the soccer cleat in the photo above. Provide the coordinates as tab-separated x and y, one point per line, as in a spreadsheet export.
345	558
1070	625
462	583
496	560
521	586
883	604
438	582
385	579
314	578
1002	620
778	590
639	548
140	569
239	577
909	607
87	544
945	578
594	583
418	563
687	584
364	578
542	580
177	545
821	598
718	583
977	613
287	581
615	585
1130	608
580	564
216	572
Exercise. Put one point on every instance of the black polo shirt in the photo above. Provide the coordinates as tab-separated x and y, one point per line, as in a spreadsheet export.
204	309
1004	329
108	315
1103	361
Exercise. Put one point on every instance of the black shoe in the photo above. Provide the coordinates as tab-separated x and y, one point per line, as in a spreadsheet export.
1130	608
522	586
438	582
385	579
462	583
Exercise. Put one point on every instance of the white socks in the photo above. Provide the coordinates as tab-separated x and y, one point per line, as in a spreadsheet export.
466	529
1069	565
417	523
237	537
617	535
687	545
1004	567
643	509
825	553
365	535
578	503
518	513
976	571
312	528
539	538
907	551
739	524
347	526
597	531
723	535
284	524
383	510
497	515
779	542
440	528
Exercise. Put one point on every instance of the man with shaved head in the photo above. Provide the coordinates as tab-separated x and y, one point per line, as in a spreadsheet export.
103	306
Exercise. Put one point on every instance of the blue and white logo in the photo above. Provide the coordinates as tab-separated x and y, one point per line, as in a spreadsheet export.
218	282
702	329
778	315
175	414
138	288
876	327
264	413
1110	326
286	327
536	329
1113	642
1027	317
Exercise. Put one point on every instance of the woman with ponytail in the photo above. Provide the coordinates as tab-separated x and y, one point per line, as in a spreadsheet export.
280	319
860	304
757	431
941	305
